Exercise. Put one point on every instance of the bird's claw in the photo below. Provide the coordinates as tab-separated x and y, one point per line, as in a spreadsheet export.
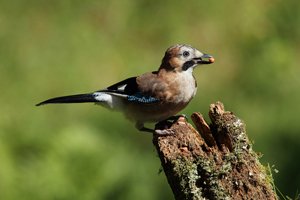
184	116
177	117
164	132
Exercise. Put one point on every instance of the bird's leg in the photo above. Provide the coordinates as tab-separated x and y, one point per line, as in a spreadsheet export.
176	117
162	127
140	126
148	130
164	132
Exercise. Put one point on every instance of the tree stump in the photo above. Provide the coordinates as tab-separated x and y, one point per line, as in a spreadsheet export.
216	163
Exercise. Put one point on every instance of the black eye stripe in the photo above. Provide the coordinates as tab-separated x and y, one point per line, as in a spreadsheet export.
187	65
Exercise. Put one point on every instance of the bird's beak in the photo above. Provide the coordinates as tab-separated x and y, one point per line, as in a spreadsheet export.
204	59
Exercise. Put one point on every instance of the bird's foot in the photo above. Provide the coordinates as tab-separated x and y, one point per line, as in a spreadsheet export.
162	128
176	117
148	130
164	132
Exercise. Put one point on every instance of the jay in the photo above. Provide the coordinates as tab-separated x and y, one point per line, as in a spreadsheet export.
153	96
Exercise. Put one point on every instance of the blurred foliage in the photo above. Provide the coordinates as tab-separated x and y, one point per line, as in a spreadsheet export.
59	47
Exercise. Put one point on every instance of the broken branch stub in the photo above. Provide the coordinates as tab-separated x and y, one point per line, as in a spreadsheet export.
216	163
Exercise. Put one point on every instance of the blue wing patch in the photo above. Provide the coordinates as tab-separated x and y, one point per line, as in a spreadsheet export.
138	97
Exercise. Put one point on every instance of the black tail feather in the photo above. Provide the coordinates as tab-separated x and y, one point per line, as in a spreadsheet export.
78	98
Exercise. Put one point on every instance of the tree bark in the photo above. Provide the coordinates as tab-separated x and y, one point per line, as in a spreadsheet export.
216	163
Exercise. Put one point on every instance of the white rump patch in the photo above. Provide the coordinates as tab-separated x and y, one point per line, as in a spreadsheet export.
108	100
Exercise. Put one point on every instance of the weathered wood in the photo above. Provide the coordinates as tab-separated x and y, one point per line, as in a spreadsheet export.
218	163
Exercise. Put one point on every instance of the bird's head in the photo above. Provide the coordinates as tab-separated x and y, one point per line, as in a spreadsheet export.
184	57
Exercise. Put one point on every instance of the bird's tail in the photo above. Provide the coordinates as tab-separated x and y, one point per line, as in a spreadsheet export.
78	98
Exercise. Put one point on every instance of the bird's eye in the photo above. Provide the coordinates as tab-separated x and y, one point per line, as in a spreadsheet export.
186	54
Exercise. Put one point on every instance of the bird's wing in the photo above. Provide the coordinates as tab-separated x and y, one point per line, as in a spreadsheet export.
130	90
127	86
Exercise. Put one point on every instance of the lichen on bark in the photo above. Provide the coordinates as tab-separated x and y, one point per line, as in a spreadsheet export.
216	163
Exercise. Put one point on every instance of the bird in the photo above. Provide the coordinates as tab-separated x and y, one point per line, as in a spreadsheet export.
151	97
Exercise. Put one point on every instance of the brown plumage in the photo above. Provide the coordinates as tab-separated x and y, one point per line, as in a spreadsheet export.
153	96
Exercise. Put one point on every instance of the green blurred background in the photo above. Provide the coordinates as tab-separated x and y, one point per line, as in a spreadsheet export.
59	47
